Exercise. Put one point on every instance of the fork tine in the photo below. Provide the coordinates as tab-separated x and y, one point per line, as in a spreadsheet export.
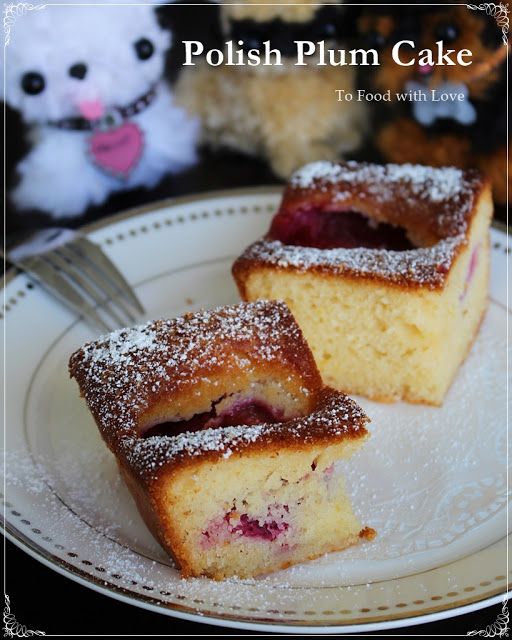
69	269
51	279
97	277
93	253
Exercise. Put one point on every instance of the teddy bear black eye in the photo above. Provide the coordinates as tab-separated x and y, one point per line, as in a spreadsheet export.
448	32
32	83
78	71
144	49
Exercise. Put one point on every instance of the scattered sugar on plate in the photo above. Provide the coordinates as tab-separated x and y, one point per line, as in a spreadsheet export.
455	480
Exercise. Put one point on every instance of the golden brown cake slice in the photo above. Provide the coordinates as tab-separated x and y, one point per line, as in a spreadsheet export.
385	269
226	437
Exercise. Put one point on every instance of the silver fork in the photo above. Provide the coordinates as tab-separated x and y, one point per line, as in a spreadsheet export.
76	271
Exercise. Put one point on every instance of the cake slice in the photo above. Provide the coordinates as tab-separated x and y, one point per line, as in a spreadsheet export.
385	269
226	437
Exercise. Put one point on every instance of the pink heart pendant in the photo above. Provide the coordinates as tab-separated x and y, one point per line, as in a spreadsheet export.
117	151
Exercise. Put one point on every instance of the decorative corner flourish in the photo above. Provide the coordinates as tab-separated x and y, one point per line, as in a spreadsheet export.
12	11
497	11
498	629
13	628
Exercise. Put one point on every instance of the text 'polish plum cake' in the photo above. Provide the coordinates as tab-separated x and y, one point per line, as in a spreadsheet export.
226	437
385	268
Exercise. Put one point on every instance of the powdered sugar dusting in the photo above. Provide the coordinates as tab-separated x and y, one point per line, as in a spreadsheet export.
437	185
154	451
425	267
119	345
122	374
306	176
336	417
435	207
455	478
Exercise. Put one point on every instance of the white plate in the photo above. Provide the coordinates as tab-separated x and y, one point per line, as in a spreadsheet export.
431	481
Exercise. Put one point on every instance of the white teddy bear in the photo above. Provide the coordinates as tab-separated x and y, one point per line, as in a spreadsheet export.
88	80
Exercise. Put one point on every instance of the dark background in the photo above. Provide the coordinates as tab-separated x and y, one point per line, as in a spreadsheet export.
41	598
215	170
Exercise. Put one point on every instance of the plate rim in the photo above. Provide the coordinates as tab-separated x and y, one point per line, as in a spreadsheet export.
68	570
437	612
125	214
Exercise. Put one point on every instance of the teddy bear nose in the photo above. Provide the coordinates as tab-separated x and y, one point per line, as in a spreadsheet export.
78	70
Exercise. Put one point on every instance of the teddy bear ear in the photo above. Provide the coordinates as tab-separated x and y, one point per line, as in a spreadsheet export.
149	11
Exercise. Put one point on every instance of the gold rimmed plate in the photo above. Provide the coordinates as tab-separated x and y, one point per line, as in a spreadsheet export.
432	481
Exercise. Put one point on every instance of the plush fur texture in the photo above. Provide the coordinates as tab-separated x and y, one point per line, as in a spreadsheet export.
288	10
399	136
58	176
286	114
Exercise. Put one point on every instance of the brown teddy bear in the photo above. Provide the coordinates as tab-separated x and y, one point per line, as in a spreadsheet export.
467	133
287	114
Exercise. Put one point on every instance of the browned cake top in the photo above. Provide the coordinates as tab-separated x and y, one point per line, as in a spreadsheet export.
424	267
123	374
435	205
438	201
336	417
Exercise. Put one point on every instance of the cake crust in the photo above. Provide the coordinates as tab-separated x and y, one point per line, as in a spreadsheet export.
435	206
335	418
389	323
123	376
149	465
198	487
